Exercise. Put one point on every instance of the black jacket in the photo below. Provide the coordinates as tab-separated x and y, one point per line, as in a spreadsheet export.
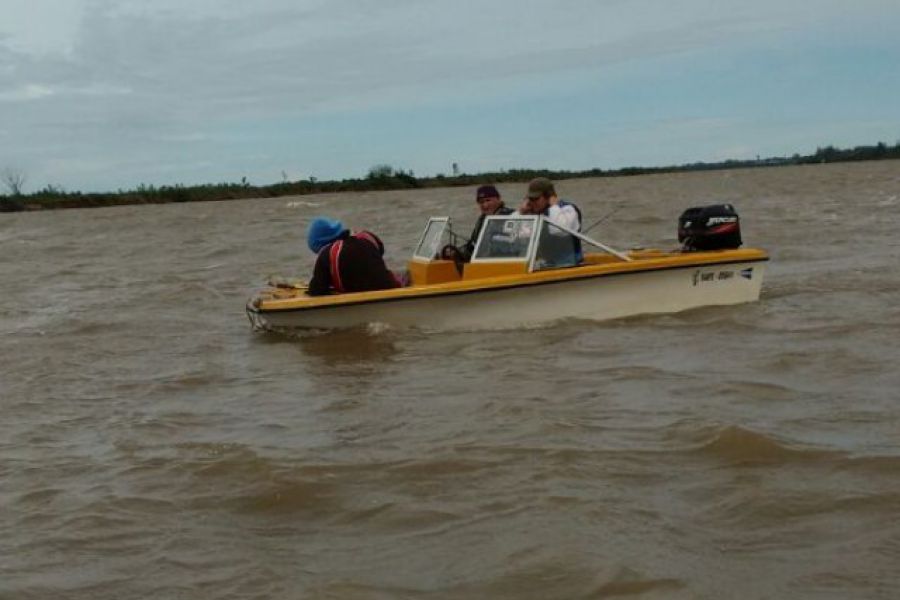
469	248
352	263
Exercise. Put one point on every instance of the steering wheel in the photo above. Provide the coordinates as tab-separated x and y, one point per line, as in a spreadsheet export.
451	252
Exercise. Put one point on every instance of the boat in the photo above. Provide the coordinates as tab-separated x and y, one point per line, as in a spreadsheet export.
524	271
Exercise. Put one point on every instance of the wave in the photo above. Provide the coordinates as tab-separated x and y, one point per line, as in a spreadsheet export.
737	445
234	478
440	467
288	496
628	583
539	574
887	465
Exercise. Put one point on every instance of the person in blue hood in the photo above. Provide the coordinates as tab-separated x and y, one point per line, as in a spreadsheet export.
346	262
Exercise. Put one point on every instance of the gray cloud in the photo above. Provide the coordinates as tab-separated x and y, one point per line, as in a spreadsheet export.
140	82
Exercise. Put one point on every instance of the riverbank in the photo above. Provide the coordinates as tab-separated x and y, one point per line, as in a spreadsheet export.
386	178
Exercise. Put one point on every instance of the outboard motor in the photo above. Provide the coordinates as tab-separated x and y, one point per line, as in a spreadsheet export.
713	227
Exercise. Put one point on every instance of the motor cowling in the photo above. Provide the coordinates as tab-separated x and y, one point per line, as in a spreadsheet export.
713	227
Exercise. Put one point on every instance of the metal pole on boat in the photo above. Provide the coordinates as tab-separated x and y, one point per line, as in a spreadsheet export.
603	218
594	242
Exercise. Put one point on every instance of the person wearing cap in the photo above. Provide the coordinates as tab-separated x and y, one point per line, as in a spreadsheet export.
489	203
559	248
346	262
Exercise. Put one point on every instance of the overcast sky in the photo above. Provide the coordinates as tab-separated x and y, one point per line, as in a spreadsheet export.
107	94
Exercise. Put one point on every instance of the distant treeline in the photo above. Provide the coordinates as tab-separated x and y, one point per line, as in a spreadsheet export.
385	177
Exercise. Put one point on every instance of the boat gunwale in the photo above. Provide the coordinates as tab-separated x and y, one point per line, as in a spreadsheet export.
507	282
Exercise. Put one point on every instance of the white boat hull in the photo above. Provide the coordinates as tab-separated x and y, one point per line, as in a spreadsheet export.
609	296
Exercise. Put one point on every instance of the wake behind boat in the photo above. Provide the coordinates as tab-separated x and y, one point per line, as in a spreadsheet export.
516	278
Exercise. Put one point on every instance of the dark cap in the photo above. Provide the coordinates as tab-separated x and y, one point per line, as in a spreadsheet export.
540	187
487	191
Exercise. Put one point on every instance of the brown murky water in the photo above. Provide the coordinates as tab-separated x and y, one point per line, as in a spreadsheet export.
153	446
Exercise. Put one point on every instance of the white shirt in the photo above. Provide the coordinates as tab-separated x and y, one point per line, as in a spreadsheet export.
565	216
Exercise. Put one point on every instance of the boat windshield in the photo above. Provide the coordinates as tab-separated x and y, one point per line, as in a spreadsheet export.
506	237
431	242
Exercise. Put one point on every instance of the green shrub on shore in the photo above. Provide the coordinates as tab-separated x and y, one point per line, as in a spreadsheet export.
11	204
385	177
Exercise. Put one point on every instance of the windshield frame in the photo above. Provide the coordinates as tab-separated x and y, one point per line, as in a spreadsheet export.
529	254
444	222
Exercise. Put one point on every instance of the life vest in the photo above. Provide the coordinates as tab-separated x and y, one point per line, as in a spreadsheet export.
576	246
573	205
